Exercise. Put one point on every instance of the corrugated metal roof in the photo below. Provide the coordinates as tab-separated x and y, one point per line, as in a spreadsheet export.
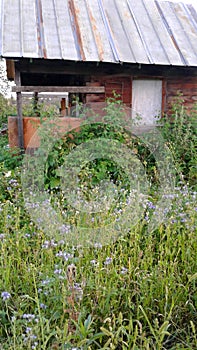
133	31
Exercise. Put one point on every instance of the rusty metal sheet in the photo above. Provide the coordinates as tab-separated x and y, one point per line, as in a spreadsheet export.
117	33
164	38
188	24
84	31
99	30
66	34
134	31
51	33
148	32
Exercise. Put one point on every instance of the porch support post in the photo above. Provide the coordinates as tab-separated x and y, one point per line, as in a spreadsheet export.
20	121
19	111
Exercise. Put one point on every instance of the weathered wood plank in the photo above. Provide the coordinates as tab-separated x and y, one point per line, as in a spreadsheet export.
72	89
20	121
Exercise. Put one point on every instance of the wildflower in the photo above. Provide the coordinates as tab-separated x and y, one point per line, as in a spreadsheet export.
123	271
13	319
65	229
13	182
28	330
27	235
64	255
47	281
93	262
78	291
61	242
8	174
108	261
5	296
57	271
98	245
43	306
29	317
49	244
150	205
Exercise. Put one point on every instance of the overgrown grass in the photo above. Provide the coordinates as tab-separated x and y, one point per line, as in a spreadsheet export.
139	292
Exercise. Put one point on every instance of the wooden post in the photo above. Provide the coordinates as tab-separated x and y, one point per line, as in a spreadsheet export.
19	112
35	104
20	121
63	107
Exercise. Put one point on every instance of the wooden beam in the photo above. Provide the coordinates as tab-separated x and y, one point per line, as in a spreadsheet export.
71	89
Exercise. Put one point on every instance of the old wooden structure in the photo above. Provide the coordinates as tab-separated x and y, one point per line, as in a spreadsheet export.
145	50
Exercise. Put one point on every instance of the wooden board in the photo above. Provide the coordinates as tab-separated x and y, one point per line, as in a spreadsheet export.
72	89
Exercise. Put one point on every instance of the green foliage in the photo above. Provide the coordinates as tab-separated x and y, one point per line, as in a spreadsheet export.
112	128
7	107
180	132
42	109
137	293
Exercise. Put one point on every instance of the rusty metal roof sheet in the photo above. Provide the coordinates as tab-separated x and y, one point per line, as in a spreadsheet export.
133	31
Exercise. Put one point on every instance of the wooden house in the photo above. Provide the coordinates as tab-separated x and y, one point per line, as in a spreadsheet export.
145	50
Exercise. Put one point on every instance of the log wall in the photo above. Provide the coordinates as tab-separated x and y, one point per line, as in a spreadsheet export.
172	87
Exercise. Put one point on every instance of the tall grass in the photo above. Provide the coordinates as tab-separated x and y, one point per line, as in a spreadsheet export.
139	292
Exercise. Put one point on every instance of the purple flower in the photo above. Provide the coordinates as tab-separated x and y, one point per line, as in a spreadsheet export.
123	271
43	306
108	261
5	296
98	245
29	317
64	255
93	262
28	330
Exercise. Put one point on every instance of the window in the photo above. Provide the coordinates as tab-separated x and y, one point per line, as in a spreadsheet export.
146	100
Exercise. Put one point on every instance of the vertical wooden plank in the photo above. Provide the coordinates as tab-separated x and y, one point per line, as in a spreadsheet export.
163	105
20	121
63	107
35	104
10	69
19	112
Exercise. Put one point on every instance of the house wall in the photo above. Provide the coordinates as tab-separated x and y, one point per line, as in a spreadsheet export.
173	86
113	76
117	78
187	86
